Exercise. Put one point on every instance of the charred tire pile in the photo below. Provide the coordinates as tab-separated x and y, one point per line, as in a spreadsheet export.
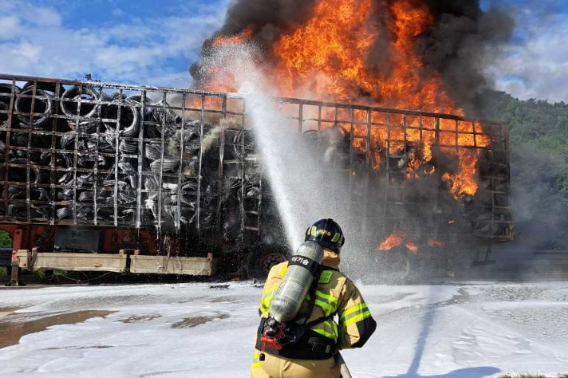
66	153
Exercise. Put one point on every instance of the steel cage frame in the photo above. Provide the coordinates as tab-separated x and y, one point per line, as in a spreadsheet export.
193	107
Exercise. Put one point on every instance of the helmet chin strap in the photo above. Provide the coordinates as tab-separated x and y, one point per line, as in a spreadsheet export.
332	251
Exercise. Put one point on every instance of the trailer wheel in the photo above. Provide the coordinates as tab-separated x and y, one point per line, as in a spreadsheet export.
395	267
400	267
260	263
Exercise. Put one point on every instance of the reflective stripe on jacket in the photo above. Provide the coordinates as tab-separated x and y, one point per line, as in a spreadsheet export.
335	294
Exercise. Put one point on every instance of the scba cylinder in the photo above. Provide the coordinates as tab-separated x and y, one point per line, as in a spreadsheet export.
302	268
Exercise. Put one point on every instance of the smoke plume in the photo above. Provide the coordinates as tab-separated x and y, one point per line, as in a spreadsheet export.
458	46
269	19
462	44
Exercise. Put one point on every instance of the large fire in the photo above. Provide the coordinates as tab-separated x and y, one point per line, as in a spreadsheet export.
333	57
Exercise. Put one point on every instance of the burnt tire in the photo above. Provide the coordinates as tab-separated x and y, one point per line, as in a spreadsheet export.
400	268
260	263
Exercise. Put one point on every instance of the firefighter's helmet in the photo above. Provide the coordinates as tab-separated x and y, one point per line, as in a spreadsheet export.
327	233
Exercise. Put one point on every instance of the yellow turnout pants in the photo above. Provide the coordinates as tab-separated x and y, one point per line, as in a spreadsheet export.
280	367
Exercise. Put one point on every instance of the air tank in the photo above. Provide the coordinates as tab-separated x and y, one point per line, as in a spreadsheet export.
297	281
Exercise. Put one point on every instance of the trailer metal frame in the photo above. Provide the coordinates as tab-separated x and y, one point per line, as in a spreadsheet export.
38	108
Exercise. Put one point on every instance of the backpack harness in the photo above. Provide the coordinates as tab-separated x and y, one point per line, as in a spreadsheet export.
294	338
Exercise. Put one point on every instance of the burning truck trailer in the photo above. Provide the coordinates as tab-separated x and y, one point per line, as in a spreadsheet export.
141	180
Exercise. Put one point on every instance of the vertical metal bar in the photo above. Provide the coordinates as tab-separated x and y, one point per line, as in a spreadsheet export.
457	138
493	204
369	158
405	128
96	166
259	209
243	166
368	140
388	137
260	167
334	161
163	147
405	136
474	135
201	130
28	152
351	153
437	131
421	126
75	154
53	160
7	148
180	169
140	159
320	157
116	151
220	170
388	172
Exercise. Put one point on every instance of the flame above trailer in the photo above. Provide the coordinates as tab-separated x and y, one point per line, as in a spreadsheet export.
357	51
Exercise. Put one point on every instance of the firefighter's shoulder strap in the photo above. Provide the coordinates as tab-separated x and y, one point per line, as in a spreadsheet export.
325	277
316	346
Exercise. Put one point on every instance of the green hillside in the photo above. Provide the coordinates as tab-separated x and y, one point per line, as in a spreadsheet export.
539	165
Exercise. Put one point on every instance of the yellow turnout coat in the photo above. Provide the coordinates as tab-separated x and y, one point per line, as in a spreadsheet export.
336	297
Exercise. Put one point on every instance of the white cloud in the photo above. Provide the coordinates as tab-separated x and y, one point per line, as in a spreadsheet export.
117	12
45	17
537	67
9	27
29	52
140	51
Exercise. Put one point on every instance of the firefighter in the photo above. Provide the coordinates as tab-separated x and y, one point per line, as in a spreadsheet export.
311	355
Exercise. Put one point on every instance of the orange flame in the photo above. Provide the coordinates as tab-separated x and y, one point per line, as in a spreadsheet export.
436	243
331	53
333	56
243	36
392	241
412	248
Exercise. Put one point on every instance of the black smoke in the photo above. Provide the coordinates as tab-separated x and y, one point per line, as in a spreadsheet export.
268	19
462	44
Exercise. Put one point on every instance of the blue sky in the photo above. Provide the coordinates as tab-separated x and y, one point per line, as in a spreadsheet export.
154	42
536	64
147	42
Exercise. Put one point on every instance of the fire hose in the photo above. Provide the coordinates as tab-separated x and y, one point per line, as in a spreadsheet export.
345	373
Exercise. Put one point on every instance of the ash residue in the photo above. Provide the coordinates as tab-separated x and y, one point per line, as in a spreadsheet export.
198	320
141	318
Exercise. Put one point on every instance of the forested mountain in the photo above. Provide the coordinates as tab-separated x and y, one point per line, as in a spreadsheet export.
539	166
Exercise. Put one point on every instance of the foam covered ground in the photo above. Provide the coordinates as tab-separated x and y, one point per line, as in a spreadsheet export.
202	330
